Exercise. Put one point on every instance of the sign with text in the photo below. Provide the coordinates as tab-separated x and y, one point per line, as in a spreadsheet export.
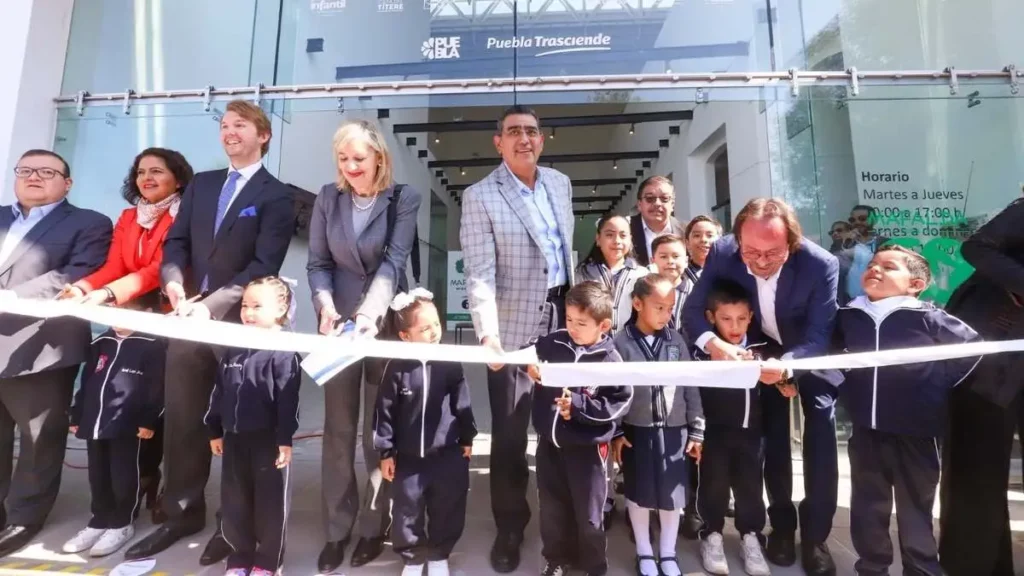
458	300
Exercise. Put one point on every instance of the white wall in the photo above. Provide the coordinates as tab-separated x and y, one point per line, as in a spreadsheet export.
33	41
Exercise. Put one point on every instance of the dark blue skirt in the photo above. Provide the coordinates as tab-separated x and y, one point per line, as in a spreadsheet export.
656	468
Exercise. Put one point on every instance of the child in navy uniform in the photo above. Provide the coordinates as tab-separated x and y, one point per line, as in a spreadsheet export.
116	409
898	412
574	427
253	414
424	429
668	255
733	454
664	425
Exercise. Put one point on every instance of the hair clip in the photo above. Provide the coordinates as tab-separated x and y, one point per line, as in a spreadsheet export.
403	300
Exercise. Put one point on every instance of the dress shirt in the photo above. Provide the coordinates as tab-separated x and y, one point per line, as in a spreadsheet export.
244	175
21	226
650	235
538	203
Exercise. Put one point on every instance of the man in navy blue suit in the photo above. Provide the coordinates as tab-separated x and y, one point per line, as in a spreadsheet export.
793	284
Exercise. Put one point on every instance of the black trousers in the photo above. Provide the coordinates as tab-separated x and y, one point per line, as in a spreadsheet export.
152	453
732	458
975	525
254	499
433	488
571	490
114	481
882	464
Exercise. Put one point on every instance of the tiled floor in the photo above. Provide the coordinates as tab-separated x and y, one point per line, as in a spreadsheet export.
305	533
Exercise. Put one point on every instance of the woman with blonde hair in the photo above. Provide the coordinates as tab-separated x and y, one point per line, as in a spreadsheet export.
361	233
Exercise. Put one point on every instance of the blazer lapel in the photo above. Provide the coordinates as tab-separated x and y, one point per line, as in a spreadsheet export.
561	203
42	227
639	240
784	289
156	238
6	219
243	200
514	197
348	229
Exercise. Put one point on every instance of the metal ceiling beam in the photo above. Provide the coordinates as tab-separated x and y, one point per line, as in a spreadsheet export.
583	183
594	212
596	198
549	159
559	122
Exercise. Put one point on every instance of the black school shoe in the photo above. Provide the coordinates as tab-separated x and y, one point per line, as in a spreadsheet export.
690	527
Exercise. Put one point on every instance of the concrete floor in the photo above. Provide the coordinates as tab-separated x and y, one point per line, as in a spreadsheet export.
305	532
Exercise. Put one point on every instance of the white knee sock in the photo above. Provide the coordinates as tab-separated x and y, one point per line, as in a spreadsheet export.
640	519
669	534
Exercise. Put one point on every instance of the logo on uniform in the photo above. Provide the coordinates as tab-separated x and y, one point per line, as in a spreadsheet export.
673	353
590	391
101	363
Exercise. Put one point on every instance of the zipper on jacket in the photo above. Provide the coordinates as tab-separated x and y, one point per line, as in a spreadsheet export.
103	387
578	353
423	409
238	393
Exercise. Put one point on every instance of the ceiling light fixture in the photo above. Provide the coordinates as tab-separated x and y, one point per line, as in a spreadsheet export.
615	164
462	171
437	139
553	133
632	128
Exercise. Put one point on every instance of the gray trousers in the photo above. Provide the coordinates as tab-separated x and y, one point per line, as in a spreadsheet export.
37	404
341	499
191	369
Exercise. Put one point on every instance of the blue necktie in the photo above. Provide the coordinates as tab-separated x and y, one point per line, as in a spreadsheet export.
226	194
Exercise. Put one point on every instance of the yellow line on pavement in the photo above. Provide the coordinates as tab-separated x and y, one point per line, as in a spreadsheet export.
41	567
71	569
14	565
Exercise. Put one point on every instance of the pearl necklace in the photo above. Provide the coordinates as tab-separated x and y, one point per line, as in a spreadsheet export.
363	208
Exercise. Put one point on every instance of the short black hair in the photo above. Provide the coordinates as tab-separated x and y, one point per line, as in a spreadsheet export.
51	154
725	292
513	111
917	264
175	162
592	298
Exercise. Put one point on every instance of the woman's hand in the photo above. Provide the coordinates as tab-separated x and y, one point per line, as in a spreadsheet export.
284	456
95	298
217	447
70	291
328	318
618	444
387	469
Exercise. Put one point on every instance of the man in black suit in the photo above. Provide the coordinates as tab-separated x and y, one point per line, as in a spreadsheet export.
975	524
655	201
233	226
45	244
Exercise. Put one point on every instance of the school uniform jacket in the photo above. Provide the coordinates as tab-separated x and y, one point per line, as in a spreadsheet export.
908	399
122	387
256	390
422	408
620	284
595	410
731	407
661	406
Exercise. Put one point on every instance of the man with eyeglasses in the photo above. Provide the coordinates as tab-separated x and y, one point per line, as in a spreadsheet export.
793	284
45	244
655	201
516	235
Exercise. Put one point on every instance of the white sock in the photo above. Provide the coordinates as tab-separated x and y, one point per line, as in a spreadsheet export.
640	520
669	534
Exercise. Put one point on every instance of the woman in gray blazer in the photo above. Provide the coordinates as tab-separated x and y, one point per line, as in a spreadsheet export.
354	272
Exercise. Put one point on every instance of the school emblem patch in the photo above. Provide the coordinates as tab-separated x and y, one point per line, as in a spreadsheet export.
673	353
590	391
101	363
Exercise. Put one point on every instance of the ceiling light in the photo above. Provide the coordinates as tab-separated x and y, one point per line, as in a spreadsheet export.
437	139
462	171
553	133
594	191
632	128
615	165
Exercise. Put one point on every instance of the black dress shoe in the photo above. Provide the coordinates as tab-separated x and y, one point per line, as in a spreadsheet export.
14	538
781	549
366	551
161	539
216	549
690	527
331	556
817	560
505	552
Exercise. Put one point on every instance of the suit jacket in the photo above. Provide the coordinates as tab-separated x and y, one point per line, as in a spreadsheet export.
355	273
506	271
985	300
63	247
133	264
636	227
805	303
251	243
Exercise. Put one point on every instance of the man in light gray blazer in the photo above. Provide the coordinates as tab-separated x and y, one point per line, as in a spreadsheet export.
45	244
517	249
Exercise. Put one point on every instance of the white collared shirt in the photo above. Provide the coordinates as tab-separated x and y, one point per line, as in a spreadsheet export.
245	174
650	235
22	225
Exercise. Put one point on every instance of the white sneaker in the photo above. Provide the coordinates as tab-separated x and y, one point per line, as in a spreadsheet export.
412	570
753	558
112	541
712	553
82	541
438	568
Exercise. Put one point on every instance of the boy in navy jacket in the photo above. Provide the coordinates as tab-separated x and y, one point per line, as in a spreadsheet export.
898	412
116	408
574	428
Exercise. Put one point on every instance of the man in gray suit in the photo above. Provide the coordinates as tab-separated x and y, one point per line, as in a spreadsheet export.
517	248
45	244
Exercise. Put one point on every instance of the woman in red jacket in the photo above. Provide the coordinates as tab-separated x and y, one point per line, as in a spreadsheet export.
153	187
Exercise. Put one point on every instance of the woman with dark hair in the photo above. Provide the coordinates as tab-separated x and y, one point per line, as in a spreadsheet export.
153	187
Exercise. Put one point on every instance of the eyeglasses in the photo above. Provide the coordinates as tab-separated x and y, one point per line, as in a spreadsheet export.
655	199
769	256
518	131
25	172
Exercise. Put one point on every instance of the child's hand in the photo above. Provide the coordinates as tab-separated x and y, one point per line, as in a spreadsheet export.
145	433
533	371
217	447
771	372
694	450
564	406
284	456
73	429
387	468
467	452
787	390
617	445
